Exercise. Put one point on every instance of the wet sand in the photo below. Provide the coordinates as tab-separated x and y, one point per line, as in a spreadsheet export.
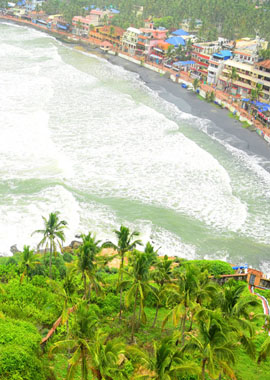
224	127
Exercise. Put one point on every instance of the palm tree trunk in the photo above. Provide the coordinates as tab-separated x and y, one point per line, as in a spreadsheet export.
84	285
155	320
50	259
184	328
121	290
134	316
203	369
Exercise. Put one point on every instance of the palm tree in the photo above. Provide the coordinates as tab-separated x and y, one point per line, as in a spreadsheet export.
125	244
183	298
53	234
235	309
167	362
256	93
214	344
105	353
161	276
28	261
233	76
196	83
139	286
265	350
78	342
86	263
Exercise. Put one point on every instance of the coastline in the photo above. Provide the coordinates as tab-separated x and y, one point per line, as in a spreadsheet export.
226	128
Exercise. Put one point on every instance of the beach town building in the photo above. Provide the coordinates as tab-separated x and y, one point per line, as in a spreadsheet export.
246	56
159	52
149	38
130	40
262	74
96	16
201	55
31	5
176	41
186	66
81	26
112	34
243	84
249	76
216	64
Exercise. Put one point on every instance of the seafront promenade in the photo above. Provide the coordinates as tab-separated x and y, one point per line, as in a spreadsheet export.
224	99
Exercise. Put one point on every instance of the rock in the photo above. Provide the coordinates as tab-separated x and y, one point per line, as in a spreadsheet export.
75	244
14	249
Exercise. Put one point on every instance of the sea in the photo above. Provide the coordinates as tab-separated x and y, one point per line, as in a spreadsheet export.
89	139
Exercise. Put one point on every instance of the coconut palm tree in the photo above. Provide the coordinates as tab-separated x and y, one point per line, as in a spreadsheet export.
196	83
105	357
28	261
139	286
86	263
125	244
53	234
78	342
166	362
214	344
264	351
162	275
257	92
232	76
182	297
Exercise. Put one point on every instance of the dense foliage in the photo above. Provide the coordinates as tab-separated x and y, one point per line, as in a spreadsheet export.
144	317
227	18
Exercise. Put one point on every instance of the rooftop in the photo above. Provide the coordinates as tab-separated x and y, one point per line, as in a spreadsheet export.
176	41
180	32
265	64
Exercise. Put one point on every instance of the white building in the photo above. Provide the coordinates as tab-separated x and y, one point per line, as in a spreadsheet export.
130	39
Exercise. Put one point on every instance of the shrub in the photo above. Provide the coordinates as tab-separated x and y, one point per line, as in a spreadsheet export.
19	351
214	267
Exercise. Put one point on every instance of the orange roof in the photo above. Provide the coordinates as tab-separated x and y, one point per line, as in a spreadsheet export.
243	53
117	31
265	64
106	44
164	45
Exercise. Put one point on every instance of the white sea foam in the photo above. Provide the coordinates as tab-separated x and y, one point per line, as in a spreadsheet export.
98	130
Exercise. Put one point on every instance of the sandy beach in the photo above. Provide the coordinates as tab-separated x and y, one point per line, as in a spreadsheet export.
224	127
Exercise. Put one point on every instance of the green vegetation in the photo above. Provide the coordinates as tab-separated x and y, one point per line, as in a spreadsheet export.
145	317
231	19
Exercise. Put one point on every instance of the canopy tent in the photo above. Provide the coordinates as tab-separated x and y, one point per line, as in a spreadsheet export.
183	63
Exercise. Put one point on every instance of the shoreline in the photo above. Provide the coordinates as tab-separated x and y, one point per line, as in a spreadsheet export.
187	101
228	129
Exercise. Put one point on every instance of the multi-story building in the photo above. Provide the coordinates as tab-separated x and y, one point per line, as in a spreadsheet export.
216	64
81	25
246	56
262	75
248	78
243	84
201	55
112	34
149	38
130	40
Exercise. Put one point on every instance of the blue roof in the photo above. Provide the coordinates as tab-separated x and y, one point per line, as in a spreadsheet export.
225	54
183	63
176	41
20	3
115	11
180	32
